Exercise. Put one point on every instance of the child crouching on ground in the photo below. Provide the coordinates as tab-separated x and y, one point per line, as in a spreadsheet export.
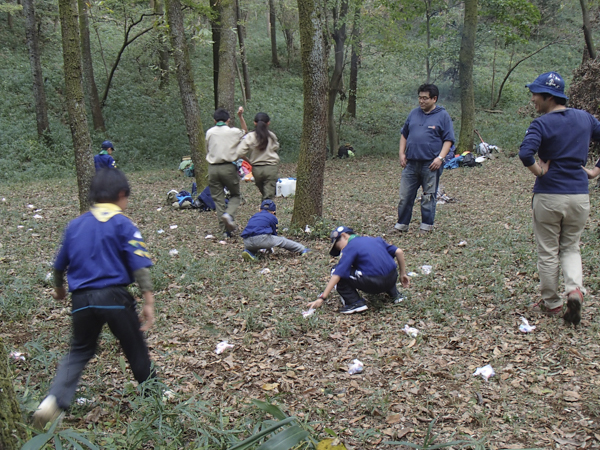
366	263
103	251
261	233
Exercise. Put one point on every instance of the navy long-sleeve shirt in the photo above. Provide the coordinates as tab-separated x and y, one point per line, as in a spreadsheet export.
426	133
263	222
372	256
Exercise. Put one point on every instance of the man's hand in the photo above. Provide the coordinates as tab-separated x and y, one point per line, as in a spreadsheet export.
59	293
316	304
545	165
403	160
591	173
240	111
147	317
405	280
435	164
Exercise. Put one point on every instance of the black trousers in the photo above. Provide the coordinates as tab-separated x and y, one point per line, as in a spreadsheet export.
347	287
92	308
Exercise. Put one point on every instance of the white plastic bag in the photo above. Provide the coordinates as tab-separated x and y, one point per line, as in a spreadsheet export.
356	367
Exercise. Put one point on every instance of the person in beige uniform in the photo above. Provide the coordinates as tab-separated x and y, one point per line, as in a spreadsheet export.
221	153
259	148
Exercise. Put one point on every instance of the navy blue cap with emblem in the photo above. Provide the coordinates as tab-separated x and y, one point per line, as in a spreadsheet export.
548	83
335	236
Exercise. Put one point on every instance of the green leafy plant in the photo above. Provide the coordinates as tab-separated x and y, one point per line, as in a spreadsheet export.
428	442
59	438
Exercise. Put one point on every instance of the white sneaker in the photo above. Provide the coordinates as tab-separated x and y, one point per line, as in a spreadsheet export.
48	411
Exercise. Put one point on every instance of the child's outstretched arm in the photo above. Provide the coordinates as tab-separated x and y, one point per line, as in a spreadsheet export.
242	121
323	296
592	173
404	278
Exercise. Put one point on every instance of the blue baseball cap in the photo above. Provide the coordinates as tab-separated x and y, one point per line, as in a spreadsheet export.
268	205
107	144
335	236
548	83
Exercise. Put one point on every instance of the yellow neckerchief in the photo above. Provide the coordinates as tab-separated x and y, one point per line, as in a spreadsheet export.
103	212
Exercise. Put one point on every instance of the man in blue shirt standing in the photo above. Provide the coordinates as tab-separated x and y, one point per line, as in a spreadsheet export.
561	138
425	140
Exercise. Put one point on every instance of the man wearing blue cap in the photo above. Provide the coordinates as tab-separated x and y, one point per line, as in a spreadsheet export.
261	233
561	138
104	159
366	263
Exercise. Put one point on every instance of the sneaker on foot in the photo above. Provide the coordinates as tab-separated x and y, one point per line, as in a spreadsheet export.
228	222
48	411
248	255
359	306
399	299
400	227
305	251
573	312
541	308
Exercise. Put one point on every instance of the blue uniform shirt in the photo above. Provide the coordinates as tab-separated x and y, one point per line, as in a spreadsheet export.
563	138
372	256
104	161
99	253
426	133
263	222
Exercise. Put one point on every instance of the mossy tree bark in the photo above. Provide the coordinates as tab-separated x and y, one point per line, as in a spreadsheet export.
216	38
587	30
355	55
187	90
227	50
336	82
465	67
88	67
11	417
308	204
241	32
39	93
82	143
163	48
273	32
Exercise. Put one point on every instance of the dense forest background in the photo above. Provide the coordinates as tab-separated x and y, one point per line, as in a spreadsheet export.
143	114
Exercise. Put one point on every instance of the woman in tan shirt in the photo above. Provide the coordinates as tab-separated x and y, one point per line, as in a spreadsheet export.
259	148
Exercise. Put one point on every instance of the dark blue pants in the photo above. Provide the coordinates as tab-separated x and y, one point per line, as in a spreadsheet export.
347	287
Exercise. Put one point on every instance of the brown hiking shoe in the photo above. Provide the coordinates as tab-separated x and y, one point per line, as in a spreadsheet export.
541	308
574	301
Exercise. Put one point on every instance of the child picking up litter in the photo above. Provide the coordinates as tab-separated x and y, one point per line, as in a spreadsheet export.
261	233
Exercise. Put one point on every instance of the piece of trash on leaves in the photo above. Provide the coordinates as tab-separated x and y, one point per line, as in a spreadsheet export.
209	236
83	401
31	206
173	252
223	242
173	227
426	269
486	372
17	356
168	395
158	209
525	327
265	271
20	226
480	159
222	346
307	229
308	313
49	276
412	274
462	244
412	332
37	216
356	367
160	231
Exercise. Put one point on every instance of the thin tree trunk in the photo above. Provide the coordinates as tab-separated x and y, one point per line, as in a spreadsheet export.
335	85
587	29
88	67
493	72
216	37
465	74
241	32
427	56
273	33
356	47
308	204
11	418
82	143
187	90
39	93
227	51
163	48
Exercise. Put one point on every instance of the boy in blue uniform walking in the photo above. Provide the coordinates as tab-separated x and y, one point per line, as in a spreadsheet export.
261	233
104	252
366	263
104	159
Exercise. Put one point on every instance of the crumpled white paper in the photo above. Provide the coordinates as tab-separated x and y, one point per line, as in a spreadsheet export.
222	346
355	367
426	269
308	313
412	332
525	327
486	372
173	252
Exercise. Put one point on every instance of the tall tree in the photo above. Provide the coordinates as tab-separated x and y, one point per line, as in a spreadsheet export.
336	82
227	52
273	32
88	67
587	30
308	204
39	93
356	48
465	73
11	418
216	38
187	90
82	143
163	49
241	32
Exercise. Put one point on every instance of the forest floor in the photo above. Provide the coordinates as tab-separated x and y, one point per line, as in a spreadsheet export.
545	393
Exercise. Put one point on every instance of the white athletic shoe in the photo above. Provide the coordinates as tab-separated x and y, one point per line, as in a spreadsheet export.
48	411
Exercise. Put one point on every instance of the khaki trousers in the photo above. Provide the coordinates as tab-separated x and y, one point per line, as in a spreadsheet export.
220	176
558	221
265	178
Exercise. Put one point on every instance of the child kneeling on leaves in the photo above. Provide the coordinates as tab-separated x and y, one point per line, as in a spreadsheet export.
261	233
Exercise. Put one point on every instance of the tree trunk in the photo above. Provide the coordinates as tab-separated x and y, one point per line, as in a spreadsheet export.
308	204
227	51
241	33
587	30
427	56
493	73
356	47
216	37
39	93
163	48
88	67
335	84
465	74
187	89
11	417
82	143
273	33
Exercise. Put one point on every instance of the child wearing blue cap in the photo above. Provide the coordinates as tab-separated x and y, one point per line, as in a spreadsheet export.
104	159
102	252
261	233
366	263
